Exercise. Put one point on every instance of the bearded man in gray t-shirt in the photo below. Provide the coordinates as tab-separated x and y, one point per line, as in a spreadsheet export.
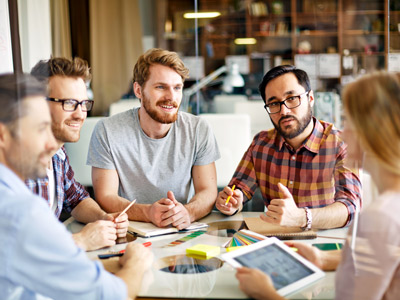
163	158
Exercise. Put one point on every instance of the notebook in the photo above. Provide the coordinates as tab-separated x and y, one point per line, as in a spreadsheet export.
149	229
281	232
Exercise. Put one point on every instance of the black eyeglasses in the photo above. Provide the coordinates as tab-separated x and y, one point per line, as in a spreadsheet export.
72	104
290	102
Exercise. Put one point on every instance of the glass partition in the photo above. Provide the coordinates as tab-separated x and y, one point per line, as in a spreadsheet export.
333	40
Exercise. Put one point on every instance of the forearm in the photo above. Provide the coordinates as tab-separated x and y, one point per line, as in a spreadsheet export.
332	216
201	204
115	203
88	211
331	259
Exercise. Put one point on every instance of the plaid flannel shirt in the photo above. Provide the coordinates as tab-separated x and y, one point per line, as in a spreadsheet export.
69	192
315	173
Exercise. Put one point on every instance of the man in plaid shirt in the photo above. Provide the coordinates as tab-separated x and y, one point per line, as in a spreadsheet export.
69	104
298	166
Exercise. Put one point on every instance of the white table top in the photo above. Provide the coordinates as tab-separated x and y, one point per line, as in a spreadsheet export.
217	284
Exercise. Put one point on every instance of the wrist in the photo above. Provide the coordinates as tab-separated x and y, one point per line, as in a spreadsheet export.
307	219
78	239
147	213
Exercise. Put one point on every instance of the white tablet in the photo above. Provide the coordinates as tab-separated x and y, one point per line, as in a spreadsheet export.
288	270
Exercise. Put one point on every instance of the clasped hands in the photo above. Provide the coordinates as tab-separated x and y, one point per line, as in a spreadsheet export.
282	211
168	211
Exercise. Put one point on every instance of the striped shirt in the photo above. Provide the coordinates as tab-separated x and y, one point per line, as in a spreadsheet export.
315	173
69	192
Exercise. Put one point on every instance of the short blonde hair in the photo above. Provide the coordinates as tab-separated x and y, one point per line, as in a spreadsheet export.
141	71
373	106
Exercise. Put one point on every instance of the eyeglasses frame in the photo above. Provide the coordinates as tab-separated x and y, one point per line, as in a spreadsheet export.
266	106
76	105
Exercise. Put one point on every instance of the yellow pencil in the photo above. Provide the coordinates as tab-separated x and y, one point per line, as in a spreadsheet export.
229	197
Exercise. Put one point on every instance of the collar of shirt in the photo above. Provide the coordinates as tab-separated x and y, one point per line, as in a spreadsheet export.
61	153
312	143
9	179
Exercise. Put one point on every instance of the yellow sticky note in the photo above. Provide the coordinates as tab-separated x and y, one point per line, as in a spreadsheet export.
203	250
229	249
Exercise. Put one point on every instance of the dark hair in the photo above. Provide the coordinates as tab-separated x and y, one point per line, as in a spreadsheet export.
14	88
77	67
301	76
170	59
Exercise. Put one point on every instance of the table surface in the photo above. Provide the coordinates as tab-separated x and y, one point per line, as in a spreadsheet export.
220	283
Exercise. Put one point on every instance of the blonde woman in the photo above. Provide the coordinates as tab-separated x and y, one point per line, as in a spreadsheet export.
372	132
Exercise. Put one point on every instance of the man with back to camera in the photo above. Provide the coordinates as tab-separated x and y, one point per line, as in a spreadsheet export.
69	104
155	153
298	166
37	254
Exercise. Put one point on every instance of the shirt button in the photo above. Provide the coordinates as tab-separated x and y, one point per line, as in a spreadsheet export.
291	182
293	157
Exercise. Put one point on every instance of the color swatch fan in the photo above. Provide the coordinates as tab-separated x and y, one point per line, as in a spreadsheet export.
243	238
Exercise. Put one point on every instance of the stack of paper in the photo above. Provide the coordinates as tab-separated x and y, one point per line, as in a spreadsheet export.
148	229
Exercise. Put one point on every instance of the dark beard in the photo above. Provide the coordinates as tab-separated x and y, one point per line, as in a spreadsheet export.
301	125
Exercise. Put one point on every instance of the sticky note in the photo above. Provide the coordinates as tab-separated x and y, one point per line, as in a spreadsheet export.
203	250
229	249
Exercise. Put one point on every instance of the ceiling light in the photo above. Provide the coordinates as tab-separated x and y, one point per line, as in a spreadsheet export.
202	15
245	41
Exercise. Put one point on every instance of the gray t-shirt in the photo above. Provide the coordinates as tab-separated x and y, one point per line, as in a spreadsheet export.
149	168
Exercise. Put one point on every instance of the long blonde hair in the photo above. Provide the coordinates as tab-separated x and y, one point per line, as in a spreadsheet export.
373	106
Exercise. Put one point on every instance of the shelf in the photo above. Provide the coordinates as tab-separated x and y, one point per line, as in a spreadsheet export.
267	34
319	33
282	15
220	36
364	12
317	14
367	54
361	32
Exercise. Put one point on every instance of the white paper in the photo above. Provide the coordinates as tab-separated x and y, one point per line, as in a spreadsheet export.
195	64
307	63
329	65
394	62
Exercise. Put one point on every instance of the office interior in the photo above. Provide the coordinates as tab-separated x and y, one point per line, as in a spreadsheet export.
228	45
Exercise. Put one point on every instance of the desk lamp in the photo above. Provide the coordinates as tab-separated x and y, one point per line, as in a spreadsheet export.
231	80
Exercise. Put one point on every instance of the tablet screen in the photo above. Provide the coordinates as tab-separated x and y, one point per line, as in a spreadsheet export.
281	267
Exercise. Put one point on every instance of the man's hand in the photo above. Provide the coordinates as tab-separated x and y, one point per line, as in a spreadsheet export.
157	210
178	215
256	284
284	211
137	256
96	235
235	202
122	223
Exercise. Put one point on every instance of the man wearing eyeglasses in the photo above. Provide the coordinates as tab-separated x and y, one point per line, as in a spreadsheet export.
69	104
298	166
39	259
